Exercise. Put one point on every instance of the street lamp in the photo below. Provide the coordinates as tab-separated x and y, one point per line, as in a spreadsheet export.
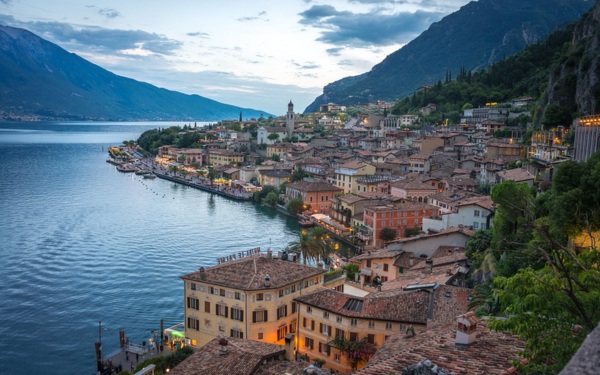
99	347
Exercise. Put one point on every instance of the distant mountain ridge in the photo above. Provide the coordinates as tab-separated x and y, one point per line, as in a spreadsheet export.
39	78
477	35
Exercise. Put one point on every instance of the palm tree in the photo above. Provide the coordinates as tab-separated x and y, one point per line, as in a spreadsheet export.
304	246
322	243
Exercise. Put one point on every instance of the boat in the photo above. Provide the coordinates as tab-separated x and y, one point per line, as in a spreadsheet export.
126	168
150	176
306	223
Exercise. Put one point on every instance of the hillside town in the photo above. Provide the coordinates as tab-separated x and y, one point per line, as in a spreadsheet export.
407	196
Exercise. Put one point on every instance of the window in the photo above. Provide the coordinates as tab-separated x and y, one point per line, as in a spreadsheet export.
294	307
309	324
336	357
388	326
309	309
325	329
238	295
385	267
260	335
476	213
237	333
326	314
309	343
339	333
400	269
281	332
221	310
368	263
193	286
193	303
371	324
324	349
280	293
371	338
260	316
282	312
293	326
338	319
237	314
207	307
193	323
353	322
211	290
260	297
475	225
222	292
354	336
293	288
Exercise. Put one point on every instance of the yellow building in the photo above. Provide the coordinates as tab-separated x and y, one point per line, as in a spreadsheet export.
249	298
224	157
327	318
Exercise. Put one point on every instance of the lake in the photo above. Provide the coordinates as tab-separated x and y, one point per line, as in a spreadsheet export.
83	243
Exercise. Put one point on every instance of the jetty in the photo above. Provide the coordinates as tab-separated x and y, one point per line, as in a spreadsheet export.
215	189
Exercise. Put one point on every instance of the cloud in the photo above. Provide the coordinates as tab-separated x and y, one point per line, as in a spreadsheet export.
109	13
199	34
309	65
261	16
6	2
375	28
99	40
334	51
346	63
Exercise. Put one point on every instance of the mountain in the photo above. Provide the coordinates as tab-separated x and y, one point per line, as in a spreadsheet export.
574	83
40	78
474	37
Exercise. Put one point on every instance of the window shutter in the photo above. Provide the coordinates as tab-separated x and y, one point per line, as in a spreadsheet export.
253	316
266	316
231	333
197	325
285	310
241	335
241	315
303	322
312	325
226	311
189	322
188	302
321	328
216	309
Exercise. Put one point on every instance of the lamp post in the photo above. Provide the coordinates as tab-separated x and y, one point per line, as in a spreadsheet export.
99	348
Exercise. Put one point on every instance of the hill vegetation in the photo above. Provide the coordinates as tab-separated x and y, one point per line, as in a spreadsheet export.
478	35
524	74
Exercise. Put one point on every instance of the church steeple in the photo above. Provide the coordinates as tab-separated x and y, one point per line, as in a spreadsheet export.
289	119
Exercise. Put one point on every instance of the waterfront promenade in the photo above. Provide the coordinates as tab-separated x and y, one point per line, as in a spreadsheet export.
128	357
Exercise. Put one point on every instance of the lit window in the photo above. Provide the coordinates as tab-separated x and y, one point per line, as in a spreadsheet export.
281	332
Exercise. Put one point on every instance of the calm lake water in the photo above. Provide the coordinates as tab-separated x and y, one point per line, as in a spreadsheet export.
81	242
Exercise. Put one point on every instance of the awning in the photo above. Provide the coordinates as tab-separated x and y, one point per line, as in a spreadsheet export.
366	272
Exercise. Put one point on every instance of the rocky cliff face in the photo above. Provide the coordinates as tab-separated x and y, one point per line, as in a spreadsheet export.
574	86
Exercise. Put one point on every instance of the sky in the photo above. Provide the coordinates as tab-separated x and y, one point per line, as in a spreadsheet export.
250	53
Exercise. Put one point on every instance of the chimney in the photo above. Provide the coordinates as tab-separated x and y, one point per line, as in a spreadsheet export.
223	346
466	330
267	281
290	347
269	254
429	266
411	261
201	273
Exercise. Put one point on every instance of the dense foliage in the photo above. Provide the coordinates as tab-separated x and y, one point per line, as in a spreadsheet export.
522	75
546	289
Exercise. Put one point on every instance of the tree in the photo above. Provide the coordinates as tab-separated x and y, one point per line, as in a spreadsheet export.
273	137
322	243
271	199
357	351
299	174
276	157
477	245
388	234
351	270
411	232
212	174
304	245
295	206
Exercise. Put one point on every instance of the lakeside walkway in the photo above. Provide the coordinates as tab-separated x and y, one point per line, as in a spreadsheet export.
131	355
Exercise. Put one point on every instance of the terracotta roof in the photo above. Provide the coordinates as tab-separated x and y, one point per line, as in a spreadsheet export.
491	353
354	164
395	305
439	275
308	186
463	230
413	185
517	175
377	254
275	173
243	358
249	273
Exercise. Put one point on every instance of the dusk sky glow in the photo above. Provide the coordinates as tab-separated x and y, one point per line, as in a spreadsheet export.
257	54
